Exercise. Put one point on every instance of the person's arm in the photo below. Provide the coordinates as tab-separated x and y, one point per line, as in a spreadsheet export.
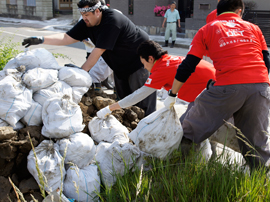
128	101
164	22
59	39
179	25
55	39
93	58
185	69
266	59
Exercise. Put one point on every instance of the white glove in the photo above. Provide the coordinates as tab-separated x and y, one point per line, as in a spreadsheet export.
103	113
169	102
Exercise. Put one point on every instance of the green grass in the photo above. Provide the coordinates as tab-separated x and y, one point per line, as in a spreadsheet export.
8	50
189	180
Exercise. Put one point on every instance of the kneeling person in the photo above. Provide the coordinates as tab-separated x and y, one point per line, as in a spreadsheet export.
163	68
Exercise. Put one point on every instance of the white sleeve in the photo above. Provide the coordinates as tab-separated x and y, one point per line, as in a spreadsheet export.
136	96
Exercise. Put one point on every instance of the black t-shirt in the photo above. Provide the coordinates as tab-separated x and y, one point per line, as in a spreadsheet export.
119	36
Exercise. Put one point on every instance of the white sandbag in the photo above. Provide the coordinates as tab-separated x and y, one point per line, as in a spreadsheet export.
31	59
100	71
11	64
86	179
34	115
59	88
78	92
159	133
108	130
11	72
39	78
18	125
49	163
61	117
75	77
15	100
112	159
144	160
80	149
226	135
205	150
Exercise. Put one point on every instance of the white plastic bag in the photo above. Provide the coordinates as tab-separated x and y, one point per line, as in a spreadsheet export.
112	159
226	135
11	72
78	92
86	179
100	71
49	163
81	149
205	150
75	77
15	100
18	125
59	88
39	78
34	115
61	117
38	57
159	133
108	130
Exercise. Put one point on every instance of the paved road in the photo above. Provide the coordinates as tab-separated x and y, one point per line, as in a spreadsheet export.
19	31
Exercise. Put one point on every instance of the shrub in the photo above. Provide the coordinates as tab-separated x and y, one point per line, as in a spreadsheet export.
8	50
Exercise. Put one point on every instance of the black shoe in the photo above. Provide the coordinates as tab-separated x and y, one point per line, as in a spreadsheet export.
172	45
166	44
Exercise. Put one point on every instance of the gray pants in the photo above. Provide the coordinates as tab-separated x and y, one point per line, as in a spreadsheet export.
171	27
124	87
247	103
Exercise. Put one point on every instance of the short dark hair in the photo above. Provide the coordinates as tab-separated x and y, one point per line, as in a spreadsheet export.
173	2
150	48
229	5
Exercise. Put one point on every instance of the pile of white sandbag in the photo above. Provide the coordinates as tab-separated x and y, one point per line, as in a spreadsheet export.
47	95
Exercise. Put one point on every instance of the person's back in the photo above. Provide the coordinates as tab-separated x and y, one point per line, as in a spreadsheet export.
235	46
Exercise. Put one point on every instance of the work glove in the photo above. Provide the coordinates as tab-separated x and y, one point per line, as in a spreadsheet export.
169	102
35	40
103	113
71	65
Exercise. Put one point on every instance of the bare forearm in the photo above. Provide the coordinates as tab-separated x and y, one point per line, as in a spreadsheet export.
59	39
176	86
93	58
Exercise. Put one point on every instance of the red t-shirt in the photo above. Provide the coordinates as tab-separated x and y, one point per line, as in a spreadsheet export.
235	46
164	70
211	16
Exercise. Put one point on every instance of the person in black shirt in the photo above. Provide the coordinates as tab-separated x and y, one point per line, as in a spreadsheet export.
116	39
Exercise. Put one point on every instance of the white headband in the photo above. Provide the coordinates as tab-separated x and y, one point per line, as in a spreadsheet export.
90	9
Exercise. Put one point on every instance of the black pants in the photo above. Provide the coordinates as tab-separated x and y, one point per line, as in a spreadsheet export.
124	87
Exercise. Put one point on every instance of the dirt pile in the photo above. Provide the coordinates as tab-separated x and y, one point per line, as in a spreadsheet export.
15	145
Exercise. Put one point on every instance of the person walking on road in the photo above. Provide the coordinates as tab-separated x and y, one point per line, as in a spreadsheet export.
163	68
241	59
172	17
116	39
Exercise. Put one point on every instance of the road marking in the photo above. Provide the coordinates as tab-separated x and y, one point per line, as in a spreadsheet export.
14	33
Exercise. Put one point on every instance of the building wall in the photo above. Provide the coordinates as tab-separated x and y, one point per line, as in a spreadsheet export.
262	5
143	15
42	11
201	9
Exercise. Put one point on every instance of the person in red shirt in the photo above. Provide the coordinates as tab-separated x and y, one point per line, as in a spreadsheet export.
211	16
241	59
163	68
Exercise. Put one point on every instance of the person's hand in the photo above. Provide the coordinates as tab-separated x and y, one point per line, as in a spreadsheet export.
103	113
169	102
35	40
